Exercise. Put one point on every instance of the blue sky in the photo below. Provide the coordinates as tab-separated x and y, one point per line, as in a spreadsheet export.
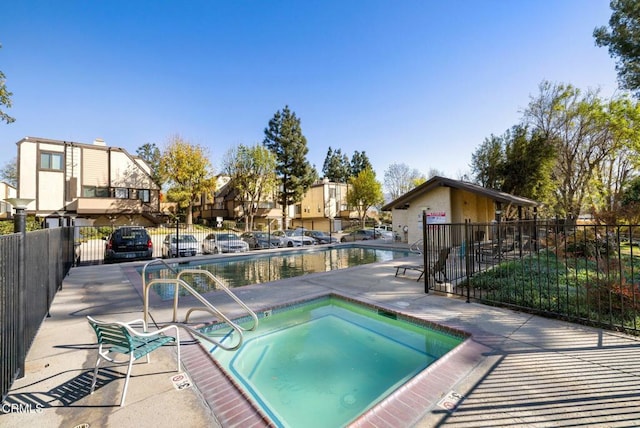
417	82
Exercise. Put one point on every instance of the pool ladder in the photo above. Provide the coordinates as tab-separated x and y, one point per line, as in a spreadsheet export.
179	283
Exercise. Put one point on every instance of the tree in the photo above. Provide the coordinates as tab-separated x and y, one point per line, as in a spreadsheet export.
252	173
336	166
517	162
623	40
432	172
5	99
578	125
150	153
399	179
630	203
364	192
528	163
487	162
620	165
186	169
284	138
359	162
9	173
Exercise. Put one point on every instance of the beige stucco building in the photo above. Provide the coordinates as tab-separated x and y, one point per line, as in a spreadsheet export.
92	183
323	207
452	201
7	191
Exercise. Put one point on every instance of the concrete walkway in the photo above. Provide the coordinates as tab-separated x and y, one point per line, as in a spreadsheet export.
530	371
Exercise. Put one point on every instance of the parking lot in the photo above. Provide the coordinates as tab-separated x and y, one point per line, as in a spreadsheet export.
91	251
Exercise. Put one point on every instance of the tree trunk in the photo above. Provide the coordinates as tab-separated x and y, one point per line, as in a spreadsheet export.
284	217
189	219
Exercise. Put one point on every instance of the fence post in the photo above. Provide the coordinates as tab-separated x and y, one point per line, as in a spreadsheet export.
177	239
469	254
425	252
20	226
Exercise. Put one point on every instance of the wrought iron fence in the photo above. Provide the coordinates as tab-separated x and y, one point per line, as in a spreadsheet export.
32	267
580	272
91	240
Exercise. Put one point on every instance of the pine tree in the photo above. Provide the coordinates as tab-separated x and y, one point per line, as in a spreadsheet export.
336	166
284	138
359	162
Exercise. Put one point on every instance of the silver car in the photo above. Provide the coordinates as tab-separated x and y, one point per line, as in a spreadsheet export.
293	238
215	243
183	245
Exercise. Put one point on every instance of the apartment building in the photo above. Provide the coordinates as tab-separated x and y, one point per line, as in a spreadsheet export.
323	207
93	184
6	191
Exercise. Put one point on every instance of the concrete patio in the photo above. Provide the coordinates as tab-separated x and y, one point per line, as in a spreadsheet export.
516	369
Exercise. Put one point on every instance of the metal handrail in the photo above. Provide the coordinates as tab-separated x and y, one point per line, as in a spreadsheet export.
226	289
208	307
144	268
417	247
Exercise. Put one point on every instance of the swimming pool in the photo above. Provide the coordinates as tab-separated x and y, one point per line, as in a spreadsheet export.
237	271
325	362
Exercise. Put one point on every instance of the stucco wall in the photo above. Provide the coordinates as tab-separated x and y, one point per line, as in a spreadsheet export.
126	172
27	151
472	207
437	201
443	204
51	191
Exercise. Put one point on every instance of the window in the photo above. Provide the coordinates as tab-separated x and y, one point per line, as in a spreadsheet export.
266	204
95	192
144	195
51	161
122	193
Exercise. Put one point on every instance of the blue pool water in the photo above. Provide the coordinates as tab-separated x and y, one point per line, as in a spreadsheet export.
259	268
325	362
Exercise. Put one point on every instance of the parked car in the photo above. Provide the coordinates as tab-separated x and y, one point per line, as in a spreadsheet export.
185	245
128	243
321	237
215	243
261	240
293	238
384	232
359	235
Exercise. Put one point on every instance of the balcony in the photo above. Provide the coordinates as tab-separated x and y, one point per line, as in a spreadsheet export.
107	206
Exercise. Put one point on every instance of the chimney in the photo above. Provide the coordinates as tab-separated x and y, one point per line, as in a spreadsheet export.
99	142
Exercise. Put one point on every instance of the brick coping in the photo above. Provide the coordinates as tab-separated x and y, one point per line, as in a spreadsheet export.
404	407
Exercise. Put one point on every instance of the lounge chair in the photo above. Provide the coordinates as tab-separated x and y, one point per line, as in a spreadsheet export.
439	266
121	338
494	251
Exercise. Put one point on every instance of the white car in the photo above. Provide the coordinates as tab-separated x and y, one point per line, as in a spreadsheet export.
293	238
184	245
384	232
216	243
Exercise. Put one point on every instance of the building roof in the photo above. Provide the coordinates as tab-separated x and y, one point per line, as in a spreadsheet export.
495	195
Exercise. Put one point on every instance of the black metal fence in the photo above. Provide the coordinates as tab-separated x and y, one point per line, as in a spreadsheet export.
582	273
579	272
90	240
32	267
